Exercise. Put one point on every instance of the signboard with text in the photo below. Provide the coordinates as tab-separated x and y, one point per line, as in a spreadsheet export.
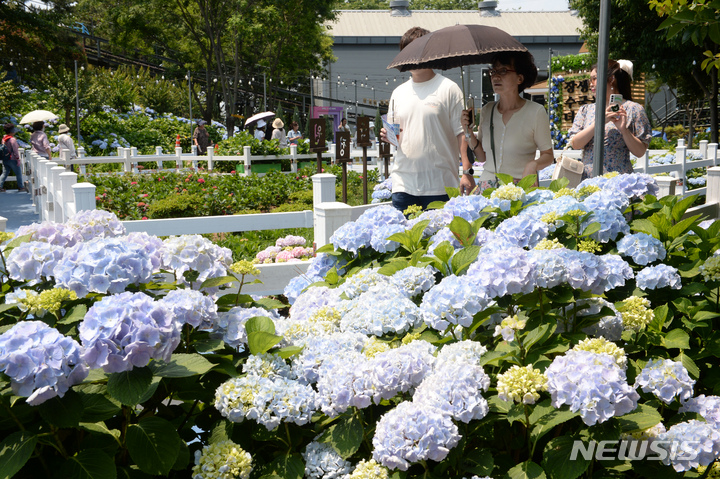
317	134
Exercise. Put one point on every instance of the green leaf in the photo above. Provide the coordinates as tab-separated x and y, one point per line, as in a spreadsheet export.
328	248
538	335
527	182
689	364
677	338
444	251
18	240
286	466
526	470
129	387
63	412
100	428
559	184
464	258
660	316
89	464
393	266
15	451
153	444
682	226
75	315
645	226
269	303
260	323
98	407
463	231
260	342
545	417
478	462
592	228
505	179
643	417
219	281
181	366
557	459
289	351
681	206
345	436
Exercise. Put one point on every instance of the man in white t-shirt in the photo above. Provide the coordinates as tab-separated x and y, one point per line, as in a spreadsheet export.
428	108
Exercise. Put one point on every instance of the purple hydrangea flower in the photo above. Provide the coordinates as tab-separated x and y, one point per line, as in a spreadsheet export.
456	389
127	330
40	362
452	301
412	433
467	207
96	224
104	265
181	254
499	274
290	240
707	406
522	232
634	185
33	260
607	199
612	223
592	384
58	234
659	276
191	307
666	379
690	444
318	349
642	248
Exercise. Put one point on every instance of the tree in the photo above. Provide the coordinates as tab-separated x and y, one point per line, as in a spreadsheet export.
634	36
698	22
414	4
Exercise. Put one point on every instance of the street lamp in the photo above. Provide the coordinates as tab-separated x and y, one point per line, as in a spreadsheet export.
189	79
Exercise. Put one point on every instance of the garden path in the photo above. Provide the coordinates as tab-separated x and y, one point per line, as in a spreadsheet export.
18	209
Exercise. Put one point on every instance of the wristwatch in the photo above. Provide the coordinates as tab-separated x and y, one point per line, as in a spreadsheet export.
469	171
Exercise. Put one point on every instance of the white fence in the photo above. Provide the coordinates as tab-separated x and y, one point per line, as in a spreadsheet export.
57	196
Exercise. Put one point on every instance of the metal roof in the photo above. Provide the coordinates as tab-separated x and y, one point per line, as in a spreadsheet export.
374	26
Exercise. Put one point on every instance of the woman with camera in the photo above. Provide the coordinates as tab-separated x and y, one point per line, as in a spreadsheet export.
627	129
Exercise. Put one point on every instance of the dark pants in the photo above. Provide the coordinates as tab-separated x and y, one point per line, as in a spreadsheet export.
401	200
8	166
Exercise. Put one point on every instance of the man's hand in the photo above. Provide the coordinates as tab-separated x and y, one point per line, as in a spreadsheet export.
467	185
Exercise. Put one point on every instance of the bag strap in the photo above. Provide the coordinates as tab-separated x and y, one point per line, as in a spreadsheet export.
492	138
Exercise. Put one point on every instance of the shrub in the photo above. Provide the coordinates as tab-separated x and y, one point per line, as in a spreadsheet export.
178	206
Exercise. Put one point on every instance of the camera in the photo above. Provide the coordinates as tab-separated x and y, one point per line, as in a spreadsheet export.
615	100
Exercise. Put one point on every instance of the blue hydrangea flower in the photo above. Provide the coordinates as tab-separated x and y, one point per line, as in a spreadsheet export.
467	207
690	444
230	325
398	370
382	215
606	199
412	433
559	206
267	401
634	185
522	232
380	310
127	330
707	406
318	349
642	248
267	365
323	462
608	327
297	285
612	223
361	281
599	181
191	307
502	273
104	265
341	382
181	254
312	299
96	224
322	263
659	276
618	271
592	384
587	271
452	301
379	240
456	389
58	234
151	245
33	260
666	379
444	234
550	268
413	281
40	362
352	236
466	352
538	196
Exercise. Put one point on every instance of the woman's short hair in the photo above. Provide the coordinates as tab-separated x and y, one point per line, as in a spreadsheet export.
38	125
524	65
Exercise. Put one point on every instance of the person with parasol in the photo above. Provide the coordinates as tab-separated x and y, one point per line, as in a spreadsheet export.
427	108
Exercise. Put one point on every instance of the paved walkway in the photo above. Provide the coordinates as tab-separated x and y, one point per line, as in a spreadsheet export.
18	209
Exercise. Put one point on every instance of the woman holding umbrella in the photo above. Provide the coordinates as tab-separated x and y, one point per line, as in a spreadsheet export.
39	140
512	129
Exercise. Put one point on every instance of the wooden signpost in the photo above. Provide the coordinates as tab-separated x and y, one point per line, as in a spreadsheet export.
342	156
385	154
317	139
363	141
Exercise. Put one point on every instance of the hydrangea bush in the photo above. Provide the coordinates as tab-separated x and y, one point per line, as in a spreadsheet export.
490	337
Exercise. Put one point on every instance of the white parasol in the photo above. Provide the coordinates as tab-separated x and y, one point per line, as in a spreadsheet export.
38	115
259	116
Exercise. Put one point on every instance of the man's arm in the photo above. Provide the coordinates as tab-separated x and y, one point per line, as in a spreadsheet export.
467	182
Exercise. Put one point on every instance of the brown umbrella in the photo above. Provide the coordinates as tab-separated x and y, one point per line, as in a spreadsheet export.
455	46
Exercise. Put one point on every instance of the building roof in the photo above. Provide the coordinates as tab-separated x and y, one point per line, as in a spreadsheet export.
372	26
